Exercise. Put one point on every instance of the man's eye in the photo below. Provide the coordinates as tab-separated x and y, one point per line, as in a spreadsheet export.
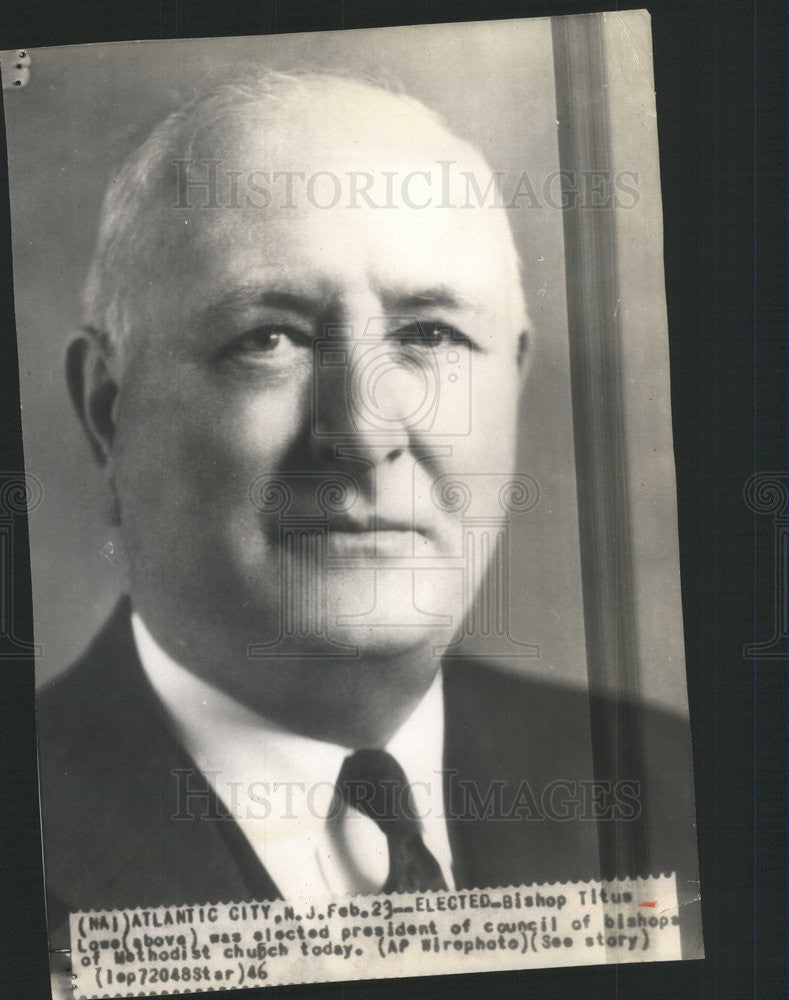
265	341
429	335
264	338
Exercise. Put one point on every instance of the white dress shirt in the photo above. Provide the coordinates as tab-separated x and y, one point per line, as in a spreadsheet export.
280	787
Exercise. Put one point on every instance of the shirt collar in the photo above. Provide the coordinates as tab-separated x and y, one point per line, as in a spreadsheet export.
279	786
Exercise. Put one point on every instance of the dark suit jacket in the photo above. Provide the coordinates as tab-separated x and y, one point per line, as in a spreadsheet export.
112	837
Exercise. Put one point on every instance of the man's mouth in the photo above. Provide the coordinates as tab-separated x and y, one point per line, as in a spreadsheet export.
374	524
376	536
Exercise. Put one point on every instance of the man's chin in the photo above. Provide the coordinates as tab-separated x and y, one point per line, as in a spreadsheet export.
385	641
392	610
346	636
356	612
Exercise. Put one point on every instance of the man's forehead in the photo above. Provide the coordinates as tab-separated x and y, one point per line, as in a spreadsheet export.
311	260
316	200
407	219
285	158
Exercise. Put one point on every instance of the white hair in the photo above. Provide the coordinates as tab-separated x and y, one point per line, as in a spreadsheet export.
134	212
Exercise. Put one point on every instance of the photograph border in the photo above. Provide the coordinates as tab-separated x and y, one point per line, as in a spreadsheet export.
728	405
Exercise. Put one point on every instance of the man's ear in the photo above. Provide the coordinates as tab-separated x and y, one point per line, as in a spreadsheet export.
93	388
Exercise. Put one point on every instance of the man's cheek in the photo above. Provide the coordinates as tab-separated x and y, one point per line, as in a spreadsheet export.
254	430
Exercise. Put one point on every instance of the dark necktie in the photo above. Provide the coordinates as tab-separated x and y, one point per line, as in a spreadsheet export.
374	783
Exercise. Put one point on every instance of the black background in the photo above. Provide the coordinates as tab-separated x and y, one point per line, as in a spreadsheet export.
721	102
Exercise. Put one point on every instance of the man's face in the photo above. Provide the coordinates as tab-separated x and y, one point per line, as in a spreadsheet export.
299	347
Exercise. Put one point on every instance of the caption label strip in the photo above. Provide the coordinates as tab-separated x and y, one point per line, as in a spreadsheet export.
186	949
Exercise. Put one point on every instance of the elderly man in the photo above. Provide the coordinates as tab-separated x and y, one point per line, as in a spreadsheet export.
299	336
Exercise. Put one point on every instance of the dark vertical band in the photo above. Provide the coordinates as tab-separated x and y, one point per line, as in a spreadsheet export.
595	371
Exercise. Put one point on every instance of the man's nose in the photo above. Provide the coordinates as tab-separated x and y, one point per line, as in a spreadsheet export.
362	395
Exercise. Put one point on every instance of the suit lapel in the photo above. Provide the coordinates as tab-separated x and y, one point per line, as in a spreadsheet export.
121	793
508	743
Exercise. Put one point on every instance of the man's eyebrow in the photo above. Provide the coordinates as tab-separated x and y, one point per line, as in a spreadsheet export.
246	297
437	296
236	300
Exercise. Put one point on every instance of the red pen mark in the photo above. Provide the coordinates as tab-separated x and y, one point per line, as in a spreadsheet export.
653	904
